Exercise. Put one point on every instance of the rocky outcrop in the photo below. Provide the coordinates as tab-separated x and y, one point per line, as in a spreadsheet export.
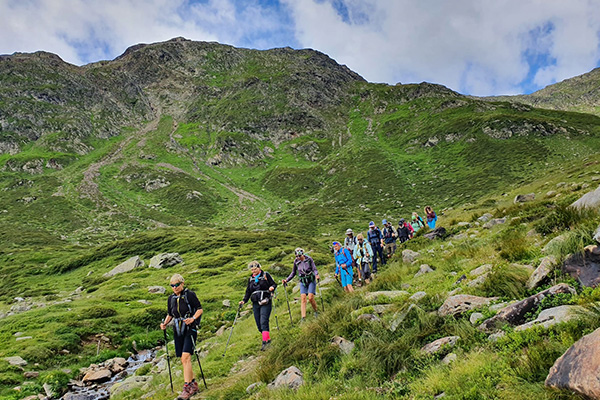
423	269
584	266
290	378
437	233
485	268
522	198
493	222
16	360
165	260
542	272
438	345
553	316
462	303
589	200
579	368
129	265
408	256
344	345
514	314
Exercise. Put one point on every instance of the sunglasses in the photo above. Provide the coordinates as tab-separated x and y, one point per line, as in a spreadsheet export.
175	284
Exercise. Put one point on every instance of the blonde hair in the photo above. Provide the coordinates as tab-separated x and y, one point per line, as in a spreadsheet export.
253	264
176	278
359	236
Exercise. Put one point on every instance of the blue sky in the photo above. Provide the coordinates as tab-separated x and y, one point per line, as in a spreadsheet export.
479	47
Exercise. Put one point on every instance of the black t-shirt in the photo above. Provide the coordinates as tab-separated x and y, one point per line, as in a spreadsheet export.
260	283
177	307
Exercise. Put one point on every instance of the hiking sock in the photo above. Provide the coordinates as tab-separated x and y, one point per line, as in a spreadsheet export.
265	336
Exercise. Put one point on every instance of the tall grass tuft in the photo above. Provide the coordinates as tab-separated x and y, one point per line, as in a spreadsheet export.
506	281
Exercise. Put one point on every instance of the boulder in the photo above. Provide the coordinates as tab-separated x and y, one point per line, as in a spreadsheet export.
480	280
290	378
493	222
579	368
475	317
31	374
254	387
553	316
424	269
97	375
165	260
481	270
129	265
400	316
156	290
485	217
554	244
514	314
344	345
494	337
450	358
523	198
418	296
408	256
589	200
437	345
597	234
221	330
132	382
16	360
390	294
437	233
584	266
116	365
462	303
226	303
368	317
542	272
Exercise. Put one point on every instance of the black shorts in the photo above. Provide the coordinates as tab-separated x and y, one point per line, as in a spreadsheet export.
184	344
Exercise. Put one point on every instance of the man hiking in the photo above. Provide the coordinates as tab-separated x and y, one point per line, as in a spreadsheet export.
343	266
260	289
184	308
376	240
404	232
308	275
389	238
364	256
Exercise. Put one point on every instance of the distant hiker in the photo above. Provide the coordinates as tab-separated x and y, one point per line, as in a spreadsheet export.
260	289
417	222
185	309
403	231
389	238
308	275
431	217
364	256
349	243
376	239
343	266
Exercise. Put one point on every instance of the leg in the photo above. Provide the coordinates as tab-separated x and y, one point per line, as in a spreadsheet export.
374	258
186	362
303	305
256	312
311	299
383	259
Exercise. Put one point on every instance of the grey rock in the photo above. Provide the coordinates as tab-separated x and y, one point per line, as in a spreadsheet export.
554	244
221	330
461	236
31	374
493	222
157	290
400	316
437	233
481	270
381	308
418	296
475	317
130	383
485	217
129	265
145	302
408	256
584	266
480	280
226	303
450	358
48	390
368	317
589	200
462	303
578	369
255	387
523	198
553	316
438	345
344	345
495	336
542	272
24	338
467	224
290	378
165	260
551	193
423	269
95	375
597	234
16	360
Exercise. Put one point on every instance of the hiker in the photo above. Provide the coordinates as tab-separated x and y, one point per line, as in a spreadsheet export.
364	256
260	289
431	217
343	266
376	239
184	308
308	275
417	222
403	231
349	243
389	238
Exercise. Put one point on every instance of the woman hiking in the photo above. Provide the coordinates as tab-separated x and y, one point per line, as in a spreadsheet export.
343	266
308	275
363	256
184	308
431	217
260	289
417	222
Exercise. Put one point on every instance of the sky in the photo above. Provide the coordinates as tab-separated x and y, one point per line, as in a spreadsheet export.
477	47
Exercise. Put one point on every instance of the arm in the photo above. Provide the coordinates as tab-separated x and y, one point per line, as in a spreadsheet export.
294	269
194	302
272	284
169	317
313	267
247	295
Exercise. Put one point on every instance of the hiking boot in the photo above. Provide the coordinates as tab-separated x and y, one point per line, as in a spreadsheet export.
302	320
316	314
185	393
193	388
265	345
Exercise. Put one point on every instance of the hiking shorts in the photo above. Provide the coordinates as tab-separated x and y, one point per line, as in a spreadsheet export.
184	344
310	288
346	277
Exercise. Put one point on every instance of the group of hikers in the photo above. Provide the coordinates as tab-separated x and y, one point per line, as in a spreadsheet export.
185	310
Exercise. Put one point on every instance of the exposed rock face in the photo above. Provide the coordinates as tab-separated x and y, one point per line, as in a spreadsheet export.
344	345
418	296
132	263
553	316
290	378
128	384
97	375
462	303
542	272
585	266
16	360
579	368
554	243
165	260
436	346
437	233
493	222
481	270
522	198
515	313
485	217
588	200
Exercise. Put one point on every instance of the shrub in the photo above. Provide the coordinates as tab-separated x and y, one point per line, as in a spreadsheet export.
57	380
37	354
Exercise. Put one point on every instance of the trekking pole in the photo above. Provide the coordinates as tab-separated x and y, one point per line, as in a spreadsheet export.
275	308
321	294
168	359
198	358
231	333
287	299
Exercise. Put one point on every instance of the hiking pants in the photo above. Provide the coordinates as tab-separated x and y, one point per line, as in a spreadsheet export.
377	250
390	248
261	315
366	270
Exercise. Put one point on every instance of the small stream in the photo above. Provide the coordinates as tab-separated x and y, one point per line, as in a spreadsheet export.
101	391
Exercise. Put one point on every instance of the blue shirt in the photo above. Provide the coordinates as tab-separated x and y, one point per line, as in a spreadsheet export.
342	257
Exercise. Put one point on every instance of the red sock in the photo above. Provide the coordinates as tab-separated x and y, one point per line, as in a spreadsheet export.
265	336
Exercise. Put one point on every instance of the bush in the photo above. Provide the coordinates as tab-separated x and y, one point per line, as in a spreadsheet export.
57	380
37	354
